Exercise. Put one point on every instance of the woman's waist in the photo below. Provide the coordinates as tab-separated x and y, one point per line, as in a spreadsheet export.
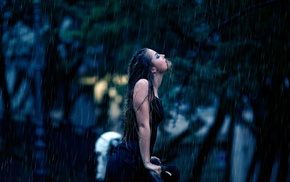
129	152
129	146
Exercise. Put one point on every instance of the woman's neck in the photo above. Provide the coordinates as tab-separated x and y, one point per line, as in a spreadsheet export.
156	83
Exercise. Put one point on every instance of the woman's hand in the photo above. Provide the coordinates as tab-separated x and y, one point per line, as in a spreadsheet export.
153	167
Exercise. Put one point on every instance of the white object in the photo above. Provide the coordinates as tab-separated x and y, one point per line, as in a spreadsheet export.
102	148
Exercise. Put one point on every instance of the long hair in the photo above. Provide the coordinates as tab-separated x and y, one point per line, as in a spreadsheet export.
140	67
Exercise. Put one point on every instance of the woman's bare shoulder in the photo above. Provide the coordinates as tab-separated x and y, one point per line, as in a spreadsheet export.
142	83
141	87
140	93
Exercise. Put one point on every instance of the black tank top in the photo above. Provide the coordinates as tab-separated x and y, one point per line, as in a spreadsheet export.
157	117
129	150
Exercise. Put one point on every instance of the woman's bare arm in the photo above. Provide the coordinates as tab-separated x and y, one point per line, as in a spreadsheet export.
142	109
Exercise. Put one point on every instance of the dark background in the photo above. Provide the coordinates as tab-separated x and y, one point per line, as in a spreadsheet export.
63	78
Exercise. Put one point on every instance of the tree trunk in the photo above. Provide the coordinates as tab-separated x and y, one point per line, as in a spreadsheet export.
7	120
229	150
207	144
39	173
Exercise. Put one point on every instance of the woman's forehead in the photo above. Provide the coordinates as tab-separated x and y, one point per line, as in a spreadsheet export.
152	52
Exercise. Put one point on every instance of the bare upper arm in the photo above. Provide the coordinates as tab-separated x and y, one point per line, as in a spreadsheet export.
141	103
140	94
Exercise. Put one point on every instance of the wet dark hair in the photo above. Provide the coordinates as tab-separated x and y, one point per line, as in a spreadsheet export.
140	67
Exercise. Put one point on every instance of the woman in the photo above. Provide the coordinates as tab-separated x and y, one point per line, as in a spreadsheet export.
132	160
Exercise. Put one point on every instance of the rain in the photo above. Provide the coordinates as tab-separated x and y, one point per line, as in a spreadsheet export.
64	75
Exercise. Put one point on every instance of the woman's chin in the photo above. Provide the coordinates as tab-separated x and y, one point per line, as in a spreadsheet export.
169	65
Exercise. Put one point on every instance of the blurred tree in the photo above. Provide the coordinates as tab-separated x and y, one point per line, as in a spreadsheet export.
250	49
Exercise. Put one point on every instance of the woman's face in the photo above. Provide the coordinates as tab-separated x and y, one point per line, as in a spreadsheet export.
159	61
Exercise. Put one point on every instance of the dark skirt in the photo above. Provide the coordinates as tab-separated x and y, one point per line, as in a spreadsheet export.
118	170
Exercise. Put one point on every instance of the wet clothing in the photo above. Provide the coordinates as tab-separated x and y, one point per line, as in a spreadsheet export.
125	164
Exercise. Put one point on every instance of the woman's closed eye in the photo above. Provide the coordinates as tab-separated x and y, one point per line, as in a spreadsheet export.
157	56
